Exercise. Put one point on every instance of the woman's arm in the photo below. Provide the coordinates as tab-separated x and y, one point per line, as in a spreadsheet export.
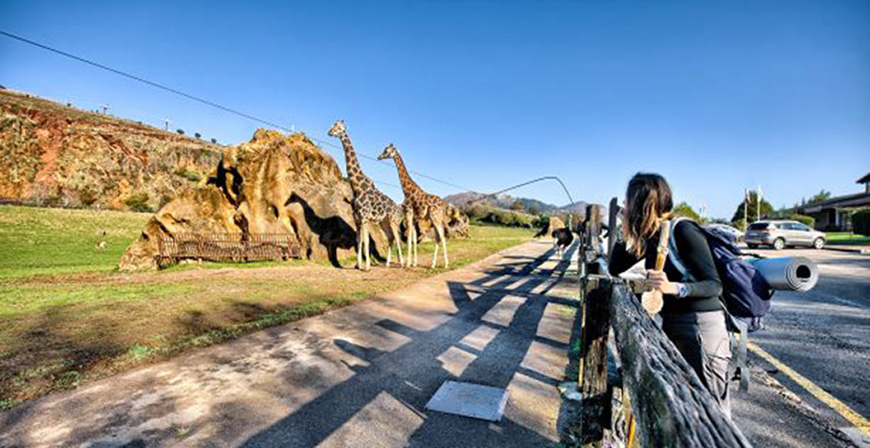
621	260
694	253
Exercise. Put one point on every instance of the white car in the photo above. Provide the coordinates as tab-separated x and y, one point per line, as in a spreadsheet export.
737	234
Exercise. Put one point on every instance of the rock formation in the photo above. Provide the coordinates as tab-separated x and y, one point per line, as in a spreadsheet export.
274	183
555	223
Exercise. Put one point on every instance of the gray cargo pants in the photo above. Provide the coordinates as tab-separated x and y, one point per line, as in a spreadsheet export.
702	338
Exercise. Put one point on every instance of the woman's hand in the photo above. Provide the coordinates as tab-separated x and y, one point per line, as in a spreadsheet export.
659	281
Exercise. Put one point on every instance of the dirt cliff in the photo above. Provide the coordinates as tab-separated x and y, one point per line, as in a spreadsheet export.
52	154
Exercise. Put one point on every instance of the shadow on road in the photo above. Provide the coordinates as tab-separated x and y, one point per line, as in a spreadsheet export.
410	374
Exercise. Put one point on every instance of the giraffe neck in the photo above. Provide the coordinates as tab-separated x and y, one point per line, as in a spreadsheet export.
354	171
408	184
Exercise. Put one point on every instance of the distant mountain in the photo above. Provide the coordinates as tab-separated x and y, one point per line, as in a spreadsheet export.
505	201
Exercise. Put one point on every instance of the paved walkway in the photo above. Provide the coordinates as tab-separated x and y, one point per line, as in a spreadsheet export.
358	376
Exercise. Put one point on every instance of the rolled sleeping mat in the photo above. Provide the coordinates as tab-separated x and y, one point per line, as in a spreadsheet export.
787	274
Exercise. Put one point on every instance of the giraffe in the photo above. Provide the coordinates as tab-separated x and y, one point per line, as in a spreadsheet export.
419	205
369	204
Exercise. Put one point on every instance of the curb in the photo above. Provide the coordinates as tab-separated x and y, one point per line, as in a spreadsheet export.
851	250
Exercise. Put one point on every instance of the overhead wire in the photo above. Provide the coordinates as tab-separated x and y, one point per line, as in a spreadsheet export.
208	103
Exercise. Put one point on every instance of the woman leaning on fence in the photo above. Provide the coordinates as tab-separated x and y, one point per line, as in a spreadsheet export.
692	315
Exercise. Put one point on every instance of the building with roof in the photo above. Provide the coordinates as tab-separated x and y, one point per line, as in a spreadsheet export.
835	214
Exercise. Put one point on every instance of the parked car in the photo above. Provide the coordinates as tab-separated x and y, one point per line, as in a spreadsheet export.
781	234
736	235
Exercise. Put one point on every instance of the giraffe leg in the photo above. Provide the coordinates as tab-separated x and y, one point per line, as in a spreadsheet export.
435	254
443	237
416	246
359	239
390	239
368	242
409	232
398	237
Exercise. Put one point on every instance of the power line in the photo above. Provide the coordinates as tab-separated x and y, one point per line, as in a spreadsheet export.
206	102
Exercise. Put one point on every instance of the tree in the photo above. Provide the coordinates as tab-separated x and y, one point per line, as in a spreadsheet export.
214	140
517	205
180	131
197	135
686	210
534	209
752	212
821	197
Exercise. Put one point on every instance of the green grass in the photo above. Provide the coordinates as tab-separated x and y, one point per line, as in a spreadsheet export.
57	241
67	316
847	239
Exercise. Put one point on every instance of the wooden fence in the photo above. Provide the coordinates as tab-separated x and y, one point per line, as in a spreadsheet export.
667	406
227	247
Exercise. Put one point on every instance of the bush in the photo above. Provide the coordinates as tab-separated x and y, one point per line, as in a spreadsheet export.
197	135
809	221
138	202
180	131
214	140
190	175
739	224
861	222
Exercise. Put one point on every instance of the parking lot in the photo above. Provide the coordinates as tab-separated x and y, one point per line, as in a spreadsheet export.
817	346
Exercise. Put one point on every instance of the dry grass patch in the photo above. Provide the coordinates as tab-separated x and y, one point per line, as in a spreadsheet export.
67	317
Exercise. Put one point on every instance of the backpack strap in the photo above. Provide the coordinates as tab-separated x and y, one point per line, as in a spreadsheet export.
739	364
741	361
673	254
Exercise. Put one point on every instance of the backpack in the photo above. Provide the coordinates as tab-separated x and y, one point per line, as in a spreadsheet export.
745	293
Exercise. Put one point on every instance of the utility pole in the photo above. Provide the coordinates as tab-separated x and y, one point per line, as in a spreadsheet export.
758	203
745	208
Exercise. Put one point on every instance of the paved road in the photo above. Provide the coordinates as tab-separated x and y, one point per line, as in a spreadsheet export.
358	376
362	375
824	336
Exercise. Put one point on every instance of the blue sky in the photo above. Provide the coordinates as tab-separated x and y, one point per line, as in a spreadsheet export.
717	96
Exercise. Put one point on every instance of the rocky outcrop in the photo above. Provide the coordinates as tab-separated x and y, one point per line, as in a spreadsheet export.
274	183
52	154
554	223
457	226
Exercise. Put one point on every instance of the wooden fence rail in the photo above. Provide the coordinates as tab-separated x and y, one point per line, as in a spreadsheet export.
227	247
670	407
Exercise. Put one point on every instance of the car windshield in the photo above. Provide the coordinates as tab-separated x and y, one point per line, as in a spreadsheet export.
758	226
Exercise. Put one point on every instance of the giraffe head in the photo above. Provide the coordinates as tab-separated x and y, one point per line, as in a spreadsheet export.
337	129
389	152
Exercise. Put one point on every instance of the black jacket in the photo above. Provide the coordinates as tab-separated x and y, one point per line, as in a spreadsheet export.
694	253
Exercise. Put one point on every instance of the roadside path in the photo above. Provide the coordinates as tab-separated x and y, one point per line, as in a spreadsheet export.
360	375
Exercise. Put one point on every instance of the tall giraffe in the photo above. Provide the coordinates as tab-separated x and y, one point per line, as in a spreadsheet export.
419	205
369	204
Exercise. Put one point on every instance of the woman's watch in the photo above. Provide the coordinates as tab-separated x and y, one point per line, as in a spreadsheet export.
682	290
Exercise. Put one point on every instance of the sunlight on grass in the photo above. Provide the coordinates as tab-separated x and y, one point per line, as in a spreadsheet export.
67	316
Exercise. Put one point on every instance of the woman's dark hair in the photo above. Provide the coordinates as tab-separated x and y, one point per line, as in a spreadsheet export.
648	200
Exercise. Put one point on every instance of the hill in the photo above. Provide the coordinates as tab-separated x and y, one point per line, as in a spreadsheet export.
505	201
53	154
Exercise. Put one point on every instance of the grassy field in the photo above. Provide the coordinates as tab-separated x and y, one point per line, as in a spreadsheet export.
67	316
847	239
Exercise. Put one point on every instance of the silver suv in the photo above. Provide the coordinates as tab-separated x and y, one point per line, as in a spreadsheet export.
780	234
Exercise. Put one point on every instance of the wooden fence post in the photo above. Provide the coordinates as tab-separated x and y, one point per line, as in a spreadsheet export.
595	409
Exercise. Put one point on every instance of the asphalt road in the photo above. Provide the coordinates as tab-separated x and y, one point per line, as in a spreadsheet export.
822	336
362	375
356	376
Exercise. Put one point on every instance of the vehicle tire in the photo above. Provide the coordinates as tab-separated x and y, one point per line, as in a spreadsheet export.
779	244
819	243
753	246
